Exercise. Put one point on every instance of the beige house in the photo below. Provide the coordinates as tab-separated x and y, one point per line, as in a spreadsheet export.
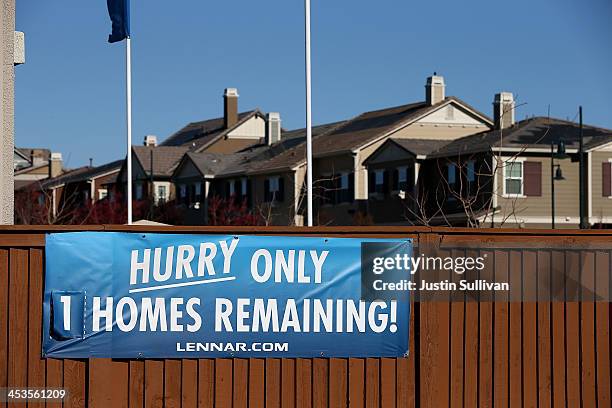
31	165
503	177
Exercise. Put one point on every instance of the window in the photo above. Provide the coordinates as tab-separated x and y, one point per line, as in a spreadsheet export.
377	183
139	191
273	187
451	170
102	193
513	178
402	179
243	186
379	178
198	192
182	192
345	193
232	188
471	172
162	194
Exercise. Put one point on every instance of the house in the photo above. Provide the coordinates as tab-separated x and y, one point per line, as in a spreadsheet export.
33	164
341	183
244	176
154	164
77	188
500	177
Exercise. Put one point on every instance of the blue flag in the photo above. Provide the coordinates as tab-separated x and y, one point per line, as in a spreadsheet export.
119	12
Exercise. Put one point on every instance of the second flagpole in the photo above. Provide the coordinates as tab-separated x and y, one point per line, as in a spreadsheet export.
308	115
128	97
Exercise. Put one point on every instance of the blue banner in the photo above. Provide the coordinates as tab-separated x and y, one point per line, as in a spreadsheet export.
130	295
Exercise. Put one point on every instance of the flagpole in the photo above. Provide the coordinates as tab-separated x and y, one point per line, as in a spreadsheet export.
308	114
128	88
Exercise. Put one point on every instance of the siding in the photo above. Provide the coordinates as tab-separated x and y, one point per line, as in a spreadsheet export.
601	206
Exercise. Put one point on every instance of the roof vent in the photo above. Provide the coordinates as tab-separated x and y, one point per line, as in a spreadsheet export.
273	128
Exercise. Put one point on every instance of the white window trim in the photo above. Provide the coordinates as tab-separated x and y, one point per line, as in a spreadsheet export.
503	170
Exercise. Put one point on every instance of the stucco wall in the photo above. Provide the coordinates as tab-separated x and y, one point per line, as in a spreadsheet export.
7	105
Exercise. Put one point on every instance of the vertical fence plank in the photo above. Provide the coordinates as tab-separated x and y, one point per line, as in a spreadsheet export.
356	391
206	383
257	387
372	382
74	381
108	382
54	378
602	326
501	369
388	375
406	368
456	353
136	385
485	336
529	330
470	345
241	383
223	383
515	339
338	374
572	330
587	329
154	383
4	306
558	329
320	377
273	382
172	383
36	364
287	382
18	320
303	383
544	330
189	383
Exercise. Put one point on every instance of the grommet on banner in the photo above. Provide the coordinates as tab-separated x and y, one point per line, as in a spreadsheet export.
140	356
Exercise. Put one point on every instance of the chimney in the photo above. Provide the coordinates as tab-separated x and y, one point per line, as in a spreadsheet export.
273	128
434	89
503	110
55	165
150	140
230	107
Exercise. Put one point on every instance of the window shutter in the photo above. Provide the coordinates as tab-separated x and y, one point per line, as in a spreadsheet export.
395	180
281	189
532	178
386	182
410	178
351	187
266	190
606	172
249	193
371	181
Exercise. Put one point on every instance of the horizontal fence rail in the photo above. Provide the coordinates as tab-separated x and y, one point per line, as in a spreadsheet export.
462	354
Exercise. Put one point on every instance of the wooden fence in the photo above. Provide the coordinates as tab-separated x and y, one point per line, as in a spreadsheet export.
462	354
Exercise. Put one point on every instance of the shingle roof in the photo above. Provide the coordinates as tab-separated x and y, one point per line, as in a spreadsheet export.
420	146
165	158
66	177
537	132
198	134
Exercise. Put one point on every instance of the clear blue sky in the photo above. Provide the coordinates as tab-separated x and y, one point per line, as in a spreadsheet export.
366	55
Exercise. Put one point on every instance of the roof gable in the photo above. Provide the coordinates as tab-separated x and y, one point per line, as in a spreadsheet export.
453	113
